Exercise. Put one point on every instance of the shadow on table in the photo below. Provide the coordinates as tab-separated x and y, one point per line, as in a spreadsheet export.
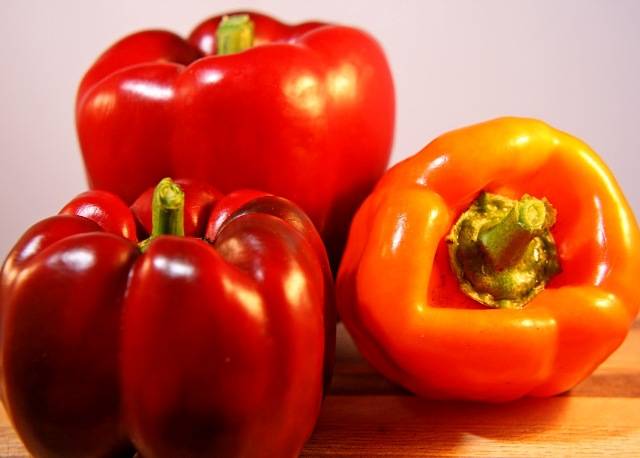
513	421
410	426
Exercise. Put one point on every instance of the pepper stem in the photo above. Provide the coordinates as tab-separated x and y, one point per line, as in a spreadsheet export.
167	211
504	244
234	34
502	250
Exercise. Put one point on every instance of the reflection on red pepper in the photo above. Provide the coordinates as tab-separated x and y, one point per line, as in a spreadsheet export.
305	112
216	347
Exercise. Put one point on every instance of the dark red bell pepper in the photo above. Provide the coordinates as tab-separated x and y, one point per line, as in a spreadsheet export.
179	345
304	111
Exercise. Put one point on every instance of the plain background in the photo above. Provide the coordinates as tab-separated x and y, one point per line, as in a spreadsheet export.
574	64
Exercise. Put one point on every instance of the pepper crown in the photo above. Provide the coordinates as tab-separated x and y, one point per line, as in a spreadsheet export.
502	251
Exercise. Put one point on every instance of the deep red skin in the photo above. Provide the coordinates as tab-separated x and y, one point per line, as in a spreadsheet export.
109	212
194	348
307	113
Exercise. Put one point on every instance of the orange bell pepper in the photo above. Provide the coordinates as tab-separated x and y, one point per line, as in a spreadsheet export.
403	287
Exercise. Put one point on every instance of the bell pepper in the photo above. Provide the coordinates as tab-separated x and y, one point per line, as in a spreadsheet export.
500	261
303	111
213	336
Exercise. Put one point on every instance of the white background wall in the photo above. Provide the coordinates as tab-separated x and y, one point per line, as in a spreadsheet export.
575	64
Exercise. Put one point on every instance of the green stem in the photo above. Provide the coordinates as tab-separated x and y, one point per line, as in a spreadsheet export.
502	251
234	34
505	243
167	211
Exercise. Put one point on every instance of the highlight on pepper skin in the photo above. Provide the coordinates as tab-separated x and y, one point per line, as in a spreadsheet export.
510	259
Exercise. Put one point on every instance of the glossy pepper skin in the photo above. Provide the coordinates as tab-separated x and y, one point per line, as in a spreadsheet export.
306	113
401	301
196	347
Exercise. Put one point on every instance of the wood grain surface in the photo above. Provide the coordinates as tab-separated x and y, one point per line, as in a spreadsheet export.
366	416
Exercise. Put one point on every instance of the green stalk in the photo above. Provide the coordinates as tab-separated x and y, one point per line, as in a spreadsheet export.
505	243
167	211
502	250
234	34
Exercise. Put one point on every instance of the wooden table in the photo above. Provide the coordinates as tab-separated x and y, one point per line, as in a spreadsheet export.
367	416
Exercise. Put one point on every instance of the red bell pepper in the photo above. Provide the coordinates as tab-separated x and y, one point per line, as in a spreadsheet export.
305	112
188	348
